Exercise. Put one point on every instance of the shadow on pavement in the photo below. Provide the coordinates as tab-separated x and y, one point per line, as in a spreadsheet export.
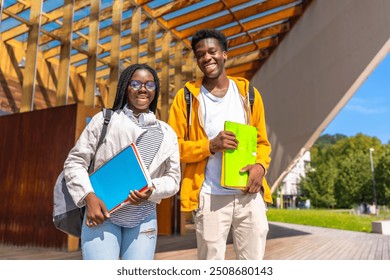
280	232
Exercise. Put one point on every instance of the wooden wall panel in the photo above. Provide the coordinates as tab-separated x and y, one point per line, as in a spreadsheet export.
33	146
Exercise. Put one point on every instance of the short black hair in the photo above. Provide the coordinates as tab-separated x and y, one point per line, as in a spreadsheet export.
209	33
124	80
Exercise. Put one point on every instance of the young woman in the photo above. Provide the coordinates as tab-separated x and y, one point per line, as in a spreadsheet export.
131	231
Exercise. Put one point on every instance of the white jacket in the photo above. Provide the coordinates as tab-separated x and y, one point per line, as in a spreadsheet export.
121	131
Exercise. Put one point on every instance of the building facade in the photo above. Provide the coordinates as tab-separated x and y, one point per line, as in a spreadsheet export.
288	193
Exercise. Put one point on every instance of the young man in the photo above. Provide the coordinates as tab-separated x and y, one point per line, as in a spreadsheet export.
202	139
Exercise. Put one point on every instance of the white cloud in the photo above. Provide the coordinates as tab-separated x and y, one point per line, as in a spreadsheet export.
366	106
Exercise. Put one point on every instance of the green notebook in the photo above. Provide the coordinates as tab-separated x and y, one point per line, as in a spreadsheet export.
234	160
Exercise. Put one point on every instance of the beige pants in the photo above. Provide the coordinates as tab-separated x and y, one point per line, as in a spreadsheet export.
244	213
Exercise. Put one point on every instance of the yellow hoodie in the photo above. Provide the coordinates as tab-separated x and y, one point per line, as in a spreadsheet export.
194	144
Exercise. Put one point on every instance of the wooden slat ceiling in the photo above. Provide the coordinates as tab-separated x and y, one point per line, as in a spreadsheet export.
254	29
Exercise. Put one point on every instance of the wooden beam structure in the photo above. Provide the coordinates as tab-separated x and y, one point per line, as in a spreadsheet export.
90	87
135	34
66	47
152	31
94	42
164	91
115	50
31	58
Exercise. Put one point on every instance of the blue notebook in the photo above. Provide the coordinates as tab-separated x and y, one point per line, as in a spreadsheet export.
113	181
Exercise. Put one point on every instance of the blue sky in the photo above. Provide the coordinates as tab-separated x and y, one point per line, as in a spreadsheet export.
368	111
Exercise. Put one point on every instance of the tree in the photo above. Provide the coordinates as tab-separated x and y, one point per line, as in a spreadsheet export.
341	172
318	187
382	176
354	181
319	181
328	140
353	185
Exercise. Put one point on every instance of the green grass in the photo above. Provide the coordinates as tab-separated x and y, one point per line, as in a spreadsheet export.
338	219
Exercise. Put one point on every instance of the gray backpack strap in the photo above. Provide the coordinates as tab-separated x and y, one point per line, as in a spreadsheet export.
187	96
251	95
107	113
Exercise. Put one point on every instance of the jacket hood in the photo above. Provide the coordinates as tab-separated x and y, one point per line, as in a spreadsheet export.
242	84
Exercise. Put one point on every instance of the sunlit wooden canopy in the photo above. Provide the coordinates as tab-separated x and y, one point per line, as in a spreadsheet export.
72	47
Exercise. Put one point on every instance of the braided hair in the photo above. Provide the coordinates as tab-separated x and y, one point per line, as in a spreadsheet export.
124	80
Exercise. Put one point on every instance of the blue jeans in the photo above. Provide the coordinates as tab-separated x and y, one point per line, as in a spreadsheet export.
108	241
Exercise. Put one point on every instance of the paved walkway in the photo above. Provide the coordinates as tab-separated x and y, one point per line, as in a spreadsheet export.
298	242
285	242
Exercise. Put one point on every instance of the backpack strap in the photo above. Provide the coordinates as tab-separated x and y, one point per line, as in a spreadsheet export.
187	97
107	113
251	95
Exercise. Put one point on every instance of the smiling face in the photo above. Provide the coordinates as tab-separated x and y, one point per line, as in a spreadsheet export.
210	58
139	100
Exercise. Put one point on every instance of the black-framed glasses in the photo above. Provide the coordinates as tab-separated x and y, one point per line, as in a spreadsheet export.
137	85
